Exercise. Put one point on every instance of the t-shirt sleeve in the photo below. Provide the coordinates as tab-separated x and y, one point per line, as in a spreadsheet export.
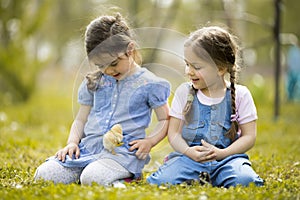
179	101
85	96
245	105
159	93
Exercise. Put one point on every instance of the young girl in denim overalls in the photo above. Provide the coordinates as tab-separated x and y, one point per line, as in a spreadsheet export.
213	122
119	92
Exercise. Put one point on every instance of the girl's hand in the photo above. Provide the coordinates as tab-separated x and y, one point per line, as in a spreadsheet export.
70	149
219	155
144	146
204	153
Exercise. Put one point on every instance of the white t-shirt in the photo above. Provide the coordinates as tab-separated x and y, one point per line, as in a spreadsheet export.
245	106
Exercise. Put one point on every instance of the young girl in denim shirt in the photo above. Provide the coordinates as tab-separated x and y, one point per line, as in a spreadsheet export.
213	122
119	92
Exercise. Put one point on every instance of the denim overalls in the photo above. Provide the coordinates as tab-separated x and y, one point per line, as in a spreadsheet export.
209	123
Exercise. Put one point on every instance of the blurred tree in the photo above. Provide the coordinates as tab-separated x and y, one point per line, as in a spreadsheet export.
167	21
33	35
19	62
290	13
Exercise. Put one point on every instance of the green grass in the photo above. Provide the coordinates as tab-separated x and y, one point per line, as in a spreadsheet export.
33	131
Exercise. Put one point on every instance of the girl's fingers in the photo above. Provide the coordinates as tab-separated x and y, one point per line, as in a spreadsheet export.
63	154
213	156
132	142
208	158
206	144
77	153
58	155
70	153
133	147
203	149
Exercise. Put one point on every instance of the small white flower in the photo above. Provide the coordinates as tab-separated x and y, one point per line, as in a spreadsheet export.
14	126
118	184
3	117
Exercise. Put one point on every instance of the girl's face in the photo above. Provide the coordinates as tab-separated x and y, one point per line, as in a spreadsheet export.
203	74
120	67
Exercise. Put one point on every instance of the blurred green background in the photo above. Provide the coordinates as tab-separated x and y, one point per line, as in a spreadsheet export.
40	38
43	60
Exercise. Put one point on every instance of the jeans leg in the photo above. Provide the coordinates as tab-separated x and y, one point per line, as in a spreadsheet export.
175	171
237	171
291	85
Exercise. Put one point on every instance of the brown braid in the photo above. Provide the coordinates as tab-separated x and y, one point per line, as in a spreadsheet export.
234	125
188	105
93	79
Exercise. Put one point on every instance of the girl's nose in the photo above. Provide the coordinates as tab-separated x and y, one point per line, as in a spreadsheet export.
189	70
109	70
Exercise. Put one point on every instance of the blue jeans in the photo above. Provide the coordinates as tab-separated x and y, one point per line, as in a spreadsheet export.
231	171
293	85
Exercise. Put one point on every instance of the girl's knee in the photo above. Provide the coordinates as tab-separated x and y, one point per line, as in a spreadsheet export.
243	180
86	177
53	171
162	177
155	179
103	172
247	175
175	171
39	173
45	171
240	172
92	175
251	178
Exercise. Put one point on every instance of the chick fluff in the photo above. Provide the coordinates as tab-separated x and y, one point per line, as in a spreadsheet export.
113	138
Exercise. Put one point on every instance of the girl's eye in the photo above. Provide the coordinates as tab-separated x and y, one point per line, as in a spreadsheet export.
114	63
99	66
197	67
193	66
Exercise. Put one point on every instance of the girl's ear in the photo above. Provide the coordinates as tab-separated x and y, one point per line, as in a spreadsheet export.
222	71
130	48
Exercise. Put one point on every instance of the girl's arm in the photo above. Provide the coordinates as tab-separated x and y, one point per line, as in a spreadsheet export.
160	131
174	135
75	135
197	153
244	143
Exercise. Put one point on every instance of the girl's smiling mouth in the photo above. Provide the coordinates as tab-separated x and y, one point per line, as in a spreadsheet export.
116	75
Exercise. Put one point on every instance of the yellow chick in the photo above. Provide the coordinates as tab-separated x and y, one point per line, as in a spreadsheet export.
113	138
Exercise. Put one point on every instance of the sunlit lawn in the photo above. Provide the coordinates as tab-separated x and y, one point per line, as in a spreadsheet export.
33	131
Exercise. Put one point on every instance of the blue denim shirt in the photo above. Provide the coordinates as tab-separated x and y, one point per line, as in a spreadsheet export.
209	123
128	102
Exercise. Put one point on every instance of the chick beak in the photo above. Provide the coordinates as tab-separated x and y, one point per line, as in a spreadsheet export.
119	144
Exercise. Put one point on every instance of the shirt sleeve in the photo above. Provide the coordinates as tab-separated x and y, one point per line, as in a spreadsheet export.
85	96
159	93
179	101
245	105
